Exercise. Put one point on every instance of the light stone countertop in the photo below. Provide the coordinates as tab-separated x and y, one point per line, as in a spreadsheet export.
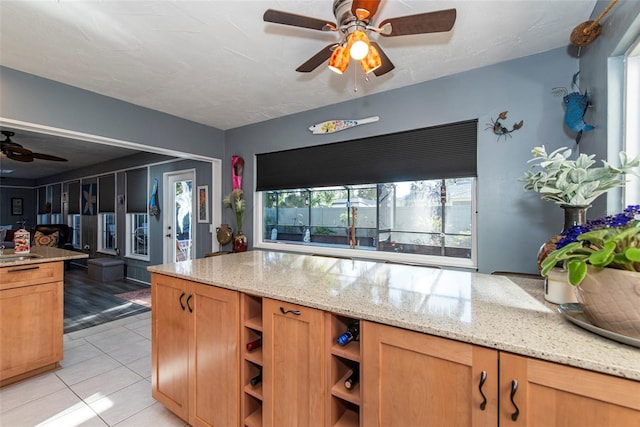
37	255
488	310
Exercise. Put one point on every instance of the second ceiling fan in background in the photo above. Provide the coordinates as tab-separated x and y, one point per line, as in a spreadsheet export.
354	20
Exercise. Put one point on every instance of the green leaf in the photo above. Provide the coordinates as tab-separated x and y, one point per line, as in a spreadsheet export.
632	254
577	271
604	256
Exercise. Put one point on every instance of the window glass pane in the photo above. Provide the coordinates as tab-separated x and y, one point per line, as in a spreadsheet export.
74	223
108	231
431	217
139	231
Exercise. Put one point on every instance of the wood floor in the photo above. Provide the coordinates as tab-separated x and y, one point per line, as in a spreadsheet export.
89	303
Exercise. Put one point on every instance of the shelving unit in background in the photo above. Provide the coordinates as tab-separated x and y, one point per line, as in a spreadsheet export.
251	405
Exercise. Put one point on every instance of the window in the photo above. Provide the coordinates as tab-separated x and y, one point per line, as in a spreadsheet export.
404	197
137	236
632	126
415	218
73	221
56	218
137	218
107	232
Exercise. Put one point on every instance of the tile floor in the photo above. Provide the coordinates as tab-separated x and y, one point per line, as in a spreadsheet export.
105	380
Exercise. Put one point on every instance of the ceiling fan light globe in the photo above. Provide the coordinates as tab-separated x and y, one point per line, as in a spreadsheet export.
339	60
372	61
359	50
358	44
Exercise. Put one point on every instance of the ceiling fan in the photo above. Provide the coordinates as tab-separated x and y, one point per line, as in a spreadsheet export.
15	151
354	20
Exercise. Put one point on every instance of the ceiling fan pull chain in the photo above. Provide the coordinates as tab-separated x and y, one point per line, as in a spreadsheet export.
355	79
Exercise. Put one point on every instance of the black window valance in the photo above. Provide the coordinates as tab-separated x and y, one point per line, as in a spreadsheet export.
137	191
56	198
107	193
42	200
73	193
445	151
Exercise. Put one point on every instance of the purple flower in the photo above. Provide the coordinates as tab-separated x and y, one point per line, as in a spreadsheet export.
620	220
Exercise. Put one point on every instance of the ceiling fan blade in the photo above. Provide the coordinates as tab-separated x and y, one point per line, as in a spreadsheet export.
12	147
48	157
286	18
364	9
386	66
430	22
317	59
20	157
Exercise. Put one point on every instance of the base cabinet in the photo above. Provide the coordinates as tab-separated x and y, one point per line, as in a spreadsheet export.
293	375
31	320
195	353
538	393
414	379
296	376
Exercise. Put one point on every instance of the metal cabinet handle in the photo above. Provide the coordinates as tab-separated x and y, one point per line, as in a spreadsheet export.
483	379
18	270
296	312
189	305
514	388
181	304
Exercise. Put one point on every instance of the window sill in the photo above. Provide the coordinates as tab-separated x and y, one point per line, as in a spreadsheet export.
107	252
137	257
369	254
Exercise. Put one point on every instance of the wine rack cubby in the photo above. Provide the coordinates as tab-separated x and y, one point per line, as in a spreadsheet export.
251	405
343	403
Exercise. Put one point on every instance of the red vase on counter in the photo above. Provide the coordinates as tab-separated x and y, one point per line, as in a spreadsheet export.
240	243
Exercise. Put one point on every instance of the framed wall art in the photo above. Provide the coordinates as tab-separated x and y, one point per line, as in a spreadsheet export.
203	203
17	206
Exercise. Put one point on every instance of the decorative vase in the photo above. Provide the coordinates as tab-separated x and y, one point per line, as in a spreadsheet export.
557	289
240	242
224	233
574	215
610	299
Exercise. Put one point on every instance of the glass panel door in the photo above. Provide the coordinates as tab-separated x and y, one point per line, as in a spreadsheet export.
178	218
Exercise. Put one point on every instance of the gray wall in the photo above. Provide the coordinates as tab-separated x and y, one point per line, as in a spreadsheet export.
512	224
599	65
45	102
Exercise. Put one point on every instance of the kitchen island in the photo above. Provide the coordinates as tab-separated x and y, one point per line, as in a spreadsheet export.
477	317
31	311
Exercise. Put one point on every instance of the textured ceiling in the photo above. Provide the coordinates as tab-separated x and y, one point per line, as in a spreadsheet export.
218	63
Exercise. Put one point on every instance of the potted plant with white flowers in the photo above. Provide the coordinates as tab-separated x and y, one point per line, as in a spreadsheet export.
592	253
236	203
574	185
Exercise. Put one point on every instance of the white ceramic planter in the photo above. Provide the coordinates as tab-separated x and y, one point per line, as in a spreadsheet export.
557	289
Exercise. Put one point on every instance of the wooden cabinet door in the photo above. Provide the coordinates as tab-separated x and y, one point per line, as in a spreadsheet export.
549	394
170	343
215	358
293	373
415	379
31	329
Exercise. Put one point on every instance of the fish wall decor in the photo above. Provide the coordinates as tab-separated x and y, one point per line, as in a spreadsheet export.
576	105
332	126
500	130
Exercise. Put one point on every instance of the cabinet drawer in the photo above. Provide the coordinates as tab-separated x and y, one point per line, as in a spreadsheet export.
31	274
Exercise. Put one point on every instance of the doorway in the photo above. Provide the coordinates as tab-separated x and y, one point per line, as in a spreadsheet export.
179	207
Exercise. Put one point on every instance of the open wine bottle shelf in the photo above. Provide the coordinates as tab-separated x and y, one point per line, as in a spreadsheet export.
344	360
251	334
